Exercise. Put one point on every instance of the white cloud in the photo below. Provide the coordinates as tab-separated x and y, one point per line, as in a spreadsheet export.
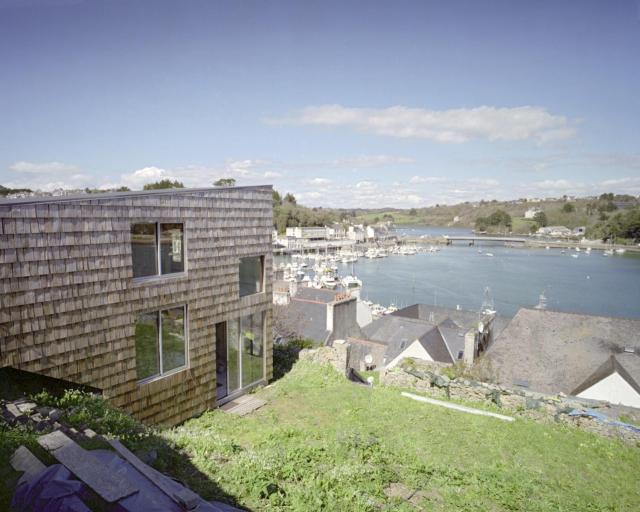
445	126
416	180
272	174
42	167
319	181
368	161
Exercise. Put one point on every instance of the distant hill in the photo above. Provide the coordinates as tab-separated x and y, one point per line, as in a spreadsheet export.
567	212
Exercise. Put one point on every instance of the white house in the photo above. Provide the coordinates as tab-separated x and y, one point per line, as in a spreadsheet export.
531	213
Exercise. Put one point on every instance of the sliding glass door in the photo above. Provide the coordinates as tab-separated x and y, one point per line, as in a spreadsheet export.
240	353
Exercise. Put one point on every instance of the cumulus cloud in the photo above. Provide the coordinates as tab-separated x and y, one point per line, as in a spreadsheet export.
42	167
319	181
416	180
444	126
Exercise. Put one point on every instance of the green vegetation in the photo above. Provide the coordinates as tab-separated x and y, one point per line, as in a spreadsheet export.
285	356
499	221
166	183
620	226
5	191
288	213
225	182
322	443
540	219
325	444
581	212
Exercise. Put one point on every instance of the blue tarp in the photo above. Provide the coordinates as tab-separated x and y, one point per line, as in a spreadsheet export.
591	413
57	490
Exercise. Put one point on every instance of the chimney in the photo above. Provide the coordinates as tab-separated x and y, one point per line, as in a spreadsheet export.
470	346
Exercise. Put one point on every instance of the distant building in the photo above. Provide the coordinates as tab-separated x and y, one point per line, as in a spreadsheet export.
422	331
560	231
588	356
308	233
315	314
531	213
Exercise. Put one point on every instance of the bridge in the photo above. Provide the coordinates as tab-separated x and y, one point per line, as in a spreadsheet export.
473	239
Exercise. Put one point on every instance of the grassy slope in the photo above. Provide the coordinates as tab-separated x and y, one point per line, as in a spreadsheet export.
323	443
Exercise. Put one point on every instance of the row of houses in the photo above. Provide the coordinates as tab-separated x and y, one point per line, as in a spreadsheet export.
298	237
546	351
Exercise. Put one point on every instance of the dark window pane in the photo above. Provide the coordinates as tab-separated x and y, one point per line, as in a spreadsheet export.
251	329
147	356
233	355
144	250
173	339
171	248
251	275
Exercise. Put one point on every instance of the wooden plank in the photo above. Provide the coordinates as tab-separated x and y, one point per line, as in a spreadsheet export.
109	486
184	497
25	461
456	407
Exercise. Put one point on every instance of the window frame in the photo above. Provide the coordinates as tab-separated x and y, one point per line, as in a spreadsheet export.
241	389
263	276
187	361
159	276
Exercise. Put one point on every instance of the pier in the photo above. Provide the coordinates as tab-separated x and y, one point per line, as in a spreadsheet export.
473	239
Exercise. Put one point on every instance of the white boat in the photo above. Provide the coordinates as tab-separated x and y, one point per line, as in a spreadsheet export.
350	282
328	281
490	254
620	251
608	252
547	247
574	255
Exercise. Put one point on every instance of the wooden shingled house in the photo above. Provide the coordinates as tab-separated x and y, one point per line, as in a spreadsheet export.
160	299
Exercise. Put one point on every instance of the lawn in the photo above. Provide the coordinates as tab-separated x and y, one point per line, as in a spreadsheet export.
325	444
322	443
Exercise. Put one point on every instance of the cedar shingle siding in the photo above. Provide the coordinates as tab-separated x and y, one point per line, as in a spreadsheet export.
68	302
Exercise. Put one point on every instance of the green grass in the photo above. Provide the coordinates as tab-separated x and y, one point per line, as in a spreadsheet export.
322	443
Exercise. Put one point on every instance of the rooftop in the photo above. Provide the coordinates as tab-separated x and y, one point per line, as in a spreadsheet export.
553	351
121	195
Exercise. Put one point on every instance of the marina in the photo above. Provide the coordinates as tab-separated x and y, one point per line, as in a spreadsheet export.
578	280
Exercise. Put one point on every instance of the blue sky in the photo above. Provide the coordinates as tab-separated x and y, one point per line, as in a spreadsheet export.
343	103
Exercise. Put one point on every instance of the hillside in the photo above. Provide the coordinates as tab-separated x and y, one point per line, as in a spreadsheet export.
585	212
322	443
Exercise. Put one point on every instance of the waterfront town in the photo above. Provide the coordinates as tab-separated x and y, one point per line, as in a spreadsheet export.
319	256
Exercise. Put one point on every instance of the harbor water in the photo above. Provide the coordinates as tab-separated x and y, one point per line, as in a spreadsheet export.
457	275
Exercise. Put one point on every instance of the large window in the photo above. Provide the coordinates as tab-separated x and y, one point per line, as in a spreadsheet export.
252	345
157	248
251	275
245	352
161	342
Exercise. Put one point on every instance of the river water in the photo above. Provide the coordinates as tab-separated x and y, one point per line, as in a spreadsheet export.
459	274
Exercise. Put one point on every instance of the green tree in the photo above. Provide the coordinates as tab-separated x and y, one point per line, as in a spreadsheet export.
413	212
568	208
225	182
541	219
166	183
277	198
290	198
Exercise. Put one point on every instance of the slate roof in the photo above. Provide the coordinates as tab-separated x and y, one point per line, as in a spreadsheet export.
315	294
306	314
450	317
398	333
555	352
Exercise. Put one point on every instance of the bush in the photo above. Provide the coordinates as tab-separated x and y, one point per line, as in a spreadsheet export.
286	355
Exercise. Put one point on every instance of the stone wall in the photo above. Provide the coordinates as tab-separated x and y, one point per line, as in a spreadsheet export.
431	380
